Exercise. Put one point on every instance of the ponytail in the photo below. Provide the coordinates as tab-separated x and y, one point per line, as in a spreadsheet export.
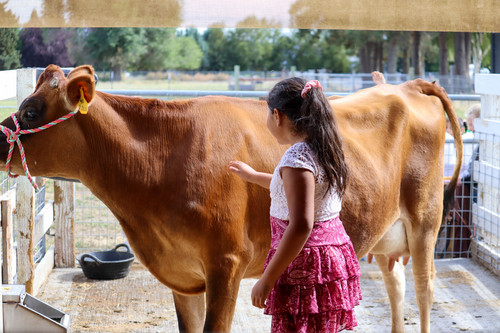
305	104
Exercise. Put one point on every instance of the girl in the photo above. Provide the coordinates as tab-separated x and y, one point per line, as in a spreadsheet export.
311	275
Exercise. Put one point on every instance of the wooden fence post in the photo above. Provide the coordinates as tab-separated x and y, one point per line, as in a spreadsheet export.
25	219
64	212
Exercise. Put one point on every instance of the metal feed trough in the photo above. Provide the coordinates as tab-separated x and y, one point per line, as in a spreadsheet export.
24	313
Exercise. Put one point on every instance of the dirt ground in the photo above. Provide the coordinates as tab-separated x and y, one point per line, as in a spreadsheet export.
466	299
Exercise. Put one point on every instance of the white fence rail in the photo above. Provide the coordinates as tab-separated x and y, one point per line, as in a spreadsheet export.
486	207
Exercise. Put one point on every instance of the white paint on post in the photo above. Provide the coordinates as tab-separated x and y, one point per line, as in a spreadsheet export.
26	82
7	84
486	206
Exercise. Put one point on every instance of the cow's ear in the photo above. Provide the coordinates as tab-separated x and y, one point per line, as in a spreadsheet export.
80	81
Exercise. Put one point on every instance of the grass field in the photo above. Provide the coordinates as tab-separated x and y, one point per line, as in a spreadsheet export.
7	106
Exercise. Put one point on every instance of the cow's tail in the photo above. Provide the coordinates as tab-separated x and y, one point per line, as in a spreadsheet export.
438	91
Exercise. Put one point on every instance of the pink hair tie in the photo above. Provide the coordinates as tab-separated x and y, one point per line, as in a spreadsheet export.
309	85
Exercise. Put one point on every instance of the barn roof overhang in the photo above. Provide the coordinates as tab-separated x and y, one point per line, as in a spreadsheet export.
397	15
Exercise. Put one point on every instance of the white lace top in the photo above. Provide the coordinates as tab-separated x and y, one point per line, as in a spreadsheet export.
301	156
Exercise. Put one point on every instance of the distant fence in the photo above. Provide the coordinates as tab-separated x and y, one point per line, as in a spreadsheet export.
96	228
242	94
457	230
332	82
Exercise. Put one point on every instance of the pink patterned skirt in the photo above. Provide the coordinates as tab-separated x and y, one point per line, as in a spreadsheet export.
320	288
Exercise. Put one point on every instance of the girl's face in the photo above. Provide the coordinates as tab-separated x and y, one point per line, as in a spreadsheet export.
282	128
273	123
270	121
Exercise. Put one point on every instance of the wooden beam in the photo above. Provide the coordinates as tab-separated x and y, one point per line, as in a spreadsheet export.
43	270
421	15
44	220
64	211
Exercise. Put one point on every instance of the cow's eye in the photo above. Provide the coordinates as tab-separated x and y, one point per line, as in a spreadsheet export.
30	114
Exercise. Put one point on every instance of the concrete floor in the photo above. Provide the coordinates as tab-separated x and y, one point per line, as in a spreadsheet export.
466	299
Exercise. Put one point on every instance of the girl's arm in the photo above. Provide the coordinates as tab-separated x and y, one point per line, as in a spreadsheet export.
248	174
299	189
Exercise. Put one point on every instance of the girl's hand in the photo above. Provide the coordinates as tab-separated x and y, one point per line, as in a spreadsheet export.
247	173
260	292
241	169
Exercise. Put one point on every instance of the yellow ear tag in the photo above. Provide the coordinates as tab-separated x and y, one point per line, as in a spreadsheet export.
83	107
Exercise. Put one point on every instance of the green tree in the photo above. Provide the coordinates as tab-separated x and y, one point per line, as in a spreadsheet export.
321	49
258	42
462	49
184	54
481	46
77	47
249	48
444	80
168	50
215	56
10	56
157	49
397	42
335	54
371	50
115	48
430	50
283	51
195	34
307	49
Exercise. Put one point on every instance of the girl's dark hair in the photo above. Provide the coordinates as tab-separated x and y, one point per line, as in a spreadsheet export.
313	116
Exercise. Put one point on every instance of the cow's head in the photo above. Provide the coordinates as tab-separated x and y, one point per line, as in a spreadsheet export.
55	96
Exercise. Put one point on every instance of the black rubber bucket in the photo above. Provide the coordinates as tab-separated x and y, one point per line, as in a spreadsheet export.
107	265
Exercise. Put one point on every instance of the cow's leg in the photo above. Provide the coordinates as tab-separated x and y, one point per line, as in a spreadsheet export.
422	250
190	312
395	285
223	282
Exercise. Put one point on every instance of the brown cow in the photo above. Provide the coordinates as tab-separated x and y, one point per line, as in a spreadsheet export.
161	167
